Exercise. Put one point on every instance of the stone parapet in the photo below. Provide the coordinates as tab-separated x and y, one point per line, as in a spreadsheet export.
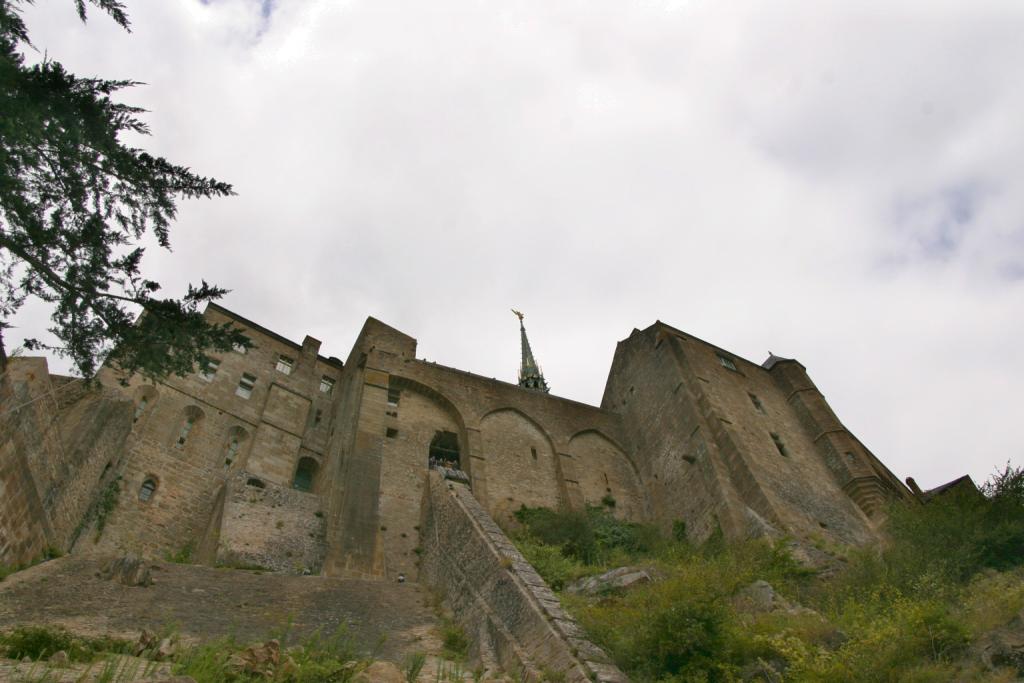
509	612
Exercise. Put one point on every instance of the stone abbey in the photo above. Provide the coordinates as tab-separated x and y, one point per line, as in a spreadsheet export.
387	469
282	458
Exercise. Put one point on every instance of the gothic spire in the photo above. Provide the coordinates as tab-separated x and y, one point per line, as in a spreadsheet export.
530	375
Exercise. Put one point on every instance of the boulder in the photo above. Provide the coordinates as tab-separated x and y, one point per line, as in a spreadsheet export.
1004	647
616	579
381	672
59	658
129	570
760	597
257	659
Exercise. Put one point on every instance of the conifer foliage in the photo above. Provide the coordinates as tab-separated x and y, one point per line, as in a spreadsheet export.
76	203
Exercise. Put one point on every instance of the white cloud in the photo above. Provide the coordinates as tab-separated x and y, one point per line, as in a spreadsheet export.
840	183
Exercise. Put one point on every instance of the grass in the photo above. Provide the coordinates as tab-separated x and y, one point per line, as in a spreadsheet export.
317	658
454	642
41	642
952	572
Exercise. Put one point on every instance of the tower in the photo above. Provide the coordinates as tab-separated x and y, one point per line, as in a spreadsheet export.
530	375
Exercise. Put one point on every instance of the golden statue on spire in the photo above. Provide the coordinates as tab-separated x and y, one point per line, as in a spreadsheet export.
518	315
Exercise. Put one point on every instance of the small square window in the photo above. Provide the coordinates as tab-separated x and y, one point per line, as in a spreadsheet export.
727	363
285	365
326	385
394	395
757	403
210	372
245	385
391	432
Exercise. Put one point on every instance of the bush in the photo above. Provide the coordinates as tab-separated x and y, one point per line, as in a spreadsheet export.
591	536
41	642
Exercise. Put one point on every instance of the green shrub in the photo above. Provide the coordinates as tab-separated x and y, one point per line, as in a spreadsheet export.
320	658
41	642
591	536
184	555
453	640
553	566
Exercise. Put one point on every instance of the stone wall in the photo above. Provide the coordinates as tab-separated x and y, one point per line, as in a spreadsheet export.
519	447
191	434
59	441
270	526
510	614
730	435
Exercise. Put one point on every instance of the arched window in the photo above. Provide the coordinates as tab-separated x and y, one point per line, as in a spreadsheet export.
192	416
147	489
305	473
444	451
236	436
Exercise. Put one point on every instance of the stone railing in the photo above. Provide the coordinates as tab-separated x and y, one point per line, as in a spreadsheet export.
509	613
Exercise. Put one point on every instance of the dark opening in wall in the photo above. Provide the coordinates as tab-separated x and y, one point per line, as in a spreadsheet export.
305	473
147	490
258	483
444	450
391	432
779	445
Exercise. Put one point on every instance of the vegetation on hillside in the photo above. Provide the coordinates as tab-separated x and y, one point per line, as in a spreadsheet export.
315	659
950	577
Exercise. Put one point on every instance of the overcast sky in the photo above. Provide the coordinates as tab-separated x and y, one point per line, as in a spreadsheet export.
842	183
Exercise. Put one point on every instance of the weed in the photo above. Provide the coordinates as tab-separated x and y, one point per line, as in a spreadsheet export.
454	642
414	665
41	642
183	555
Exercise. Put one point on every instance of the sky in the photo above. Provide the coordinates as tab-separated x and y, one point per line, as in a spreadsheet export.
842	183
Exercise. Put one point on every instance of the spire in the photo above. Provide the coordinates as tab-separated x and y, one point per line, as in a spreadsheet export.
530	375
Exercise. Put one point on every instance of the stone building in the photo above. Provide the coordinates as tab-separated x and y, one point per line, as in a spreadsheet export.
281	458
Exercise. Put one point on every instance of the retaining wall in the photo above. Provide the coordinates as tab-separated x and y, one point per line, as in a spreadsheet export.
505	607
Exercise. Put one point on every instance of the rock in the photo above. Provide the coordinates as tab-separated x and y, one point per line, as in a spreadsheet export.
616	579
129	570
59	658
760	597
165	650
257	659
147	641
1004	647
381	672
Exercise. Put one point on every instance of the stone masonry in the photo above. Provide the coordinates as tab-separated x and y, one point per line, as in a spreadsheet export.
280	458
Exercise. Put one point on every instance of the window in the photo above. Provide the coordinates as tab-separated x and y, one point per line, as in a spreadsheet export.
147	490
186	427
140	408
757	403
305	474
210	372
394	395
326	385
778	444
533	452
317	417
391	432
232	452
241	349
285	365
245	385
727	363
